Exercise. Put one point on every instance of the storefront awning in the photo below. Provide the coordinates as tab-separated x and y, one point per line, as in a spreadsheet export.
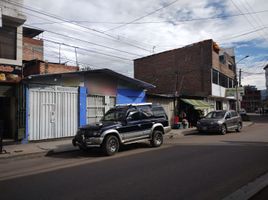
198	104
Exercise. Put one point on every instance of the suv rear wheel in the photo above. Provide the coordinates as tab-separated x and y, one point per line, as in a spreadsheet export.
110	145
157	139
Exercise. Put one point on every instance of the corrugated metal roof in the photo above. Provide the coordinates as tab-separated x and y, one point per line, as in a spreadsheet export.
106	71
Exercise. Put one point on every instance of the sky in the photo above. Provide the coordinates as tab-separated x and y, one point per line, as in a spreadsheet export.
112	33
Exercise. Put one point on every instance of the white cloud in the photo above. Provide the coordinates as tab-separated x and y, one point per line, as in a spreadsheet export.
163	36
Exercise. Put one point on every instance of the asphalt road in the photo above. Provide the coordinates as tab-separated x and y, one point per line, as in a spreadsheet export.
189	167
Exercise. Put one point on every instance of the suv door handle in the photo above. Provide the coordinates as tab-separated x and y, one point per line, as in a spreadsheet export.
139	125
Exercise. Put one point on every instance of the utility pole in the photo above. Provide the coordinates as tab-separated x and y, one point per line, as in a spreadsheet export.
240	77
59	53
76	59
236	83
176	93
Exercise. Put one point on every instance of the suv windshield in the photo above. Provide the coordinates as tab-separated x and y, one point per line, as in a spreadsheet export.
215	115
114	115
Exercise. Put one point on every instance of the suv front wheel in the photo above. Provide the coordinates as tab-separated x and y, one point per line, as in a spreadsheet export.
157	139
110	145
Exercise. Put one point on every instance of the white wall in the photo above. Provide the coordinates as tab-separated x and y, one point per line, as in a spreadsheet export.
217	90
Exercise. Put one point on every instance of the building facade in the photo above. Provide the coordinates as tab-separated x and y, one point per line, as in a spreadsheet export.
251	100
10	69
201	71
57	104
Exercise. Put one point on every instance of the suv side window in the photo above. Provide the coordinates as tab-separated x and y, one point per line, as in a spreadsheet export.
145	115
146	110
134	116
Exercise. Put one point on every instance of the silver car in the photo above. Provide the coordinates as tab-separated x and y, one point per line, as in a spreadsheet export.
220	121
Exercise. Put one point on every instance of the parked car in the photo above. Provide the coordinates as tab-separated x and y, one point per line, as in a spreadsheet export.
242	111
220	121
125	124
244	115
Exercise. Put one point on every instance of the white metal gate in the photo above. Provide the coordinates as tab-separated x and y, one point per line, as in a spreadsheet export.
97	106
53	112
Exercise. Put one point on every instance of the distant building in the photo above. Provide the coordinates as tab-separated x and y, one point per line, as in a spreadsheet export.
33	56
33	48
252	99
201	71
266	76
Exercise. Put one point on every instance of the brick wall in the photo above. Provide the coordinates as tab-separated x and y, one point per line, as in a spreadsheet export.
33	49
193	64
40	67
223	68
52	68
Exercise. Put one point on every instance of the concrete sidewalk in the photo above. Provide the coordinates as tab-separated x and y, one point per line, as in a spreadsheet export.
38	149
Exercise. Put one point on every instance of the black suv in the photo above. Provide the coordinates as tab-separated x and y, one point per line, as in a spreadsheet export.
125	124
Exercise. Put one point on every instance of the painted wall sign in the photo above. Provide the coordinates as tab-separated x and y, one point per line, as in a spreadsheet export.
232	91
10	69
10	73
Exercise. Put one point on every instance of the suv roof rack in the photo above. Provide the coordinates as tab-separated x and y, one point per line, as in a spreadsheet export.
133	104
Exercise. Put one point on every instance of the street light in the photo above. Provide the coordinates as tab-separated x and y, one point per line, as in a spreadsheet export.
236	83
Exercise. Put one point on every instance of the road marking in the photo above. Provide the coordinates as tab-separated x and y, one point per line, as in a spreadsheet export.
250	189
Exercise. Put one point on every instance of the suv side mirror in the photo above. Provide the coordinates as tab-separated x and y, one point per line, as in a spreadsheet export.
227	117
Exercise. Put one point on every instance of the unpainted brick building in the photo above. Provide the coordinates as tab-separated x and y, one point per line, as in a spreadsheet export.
33	56
201	70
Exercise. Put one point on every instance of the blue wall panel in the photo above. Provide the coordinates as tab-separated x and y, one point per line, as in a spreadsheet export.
26	93
82	106
127	96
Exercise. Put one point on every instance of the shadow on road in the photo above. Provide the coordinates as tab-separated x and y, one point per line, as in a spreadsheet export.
92	152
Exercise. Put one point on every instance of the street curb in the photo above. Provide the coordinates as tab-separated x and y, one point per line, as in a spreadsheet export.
23	156
180	134
250	189
36	154
251	124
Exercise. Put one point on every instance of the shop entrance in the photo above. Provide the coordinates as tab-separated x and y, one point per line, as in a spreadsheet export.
6	118
218	105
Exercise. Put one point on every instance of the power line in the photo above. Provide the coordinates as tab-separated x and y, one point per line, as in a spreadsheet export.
237	7
139	18
68	21
246	33
88	50
77	38
85	49
156	22
86	41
